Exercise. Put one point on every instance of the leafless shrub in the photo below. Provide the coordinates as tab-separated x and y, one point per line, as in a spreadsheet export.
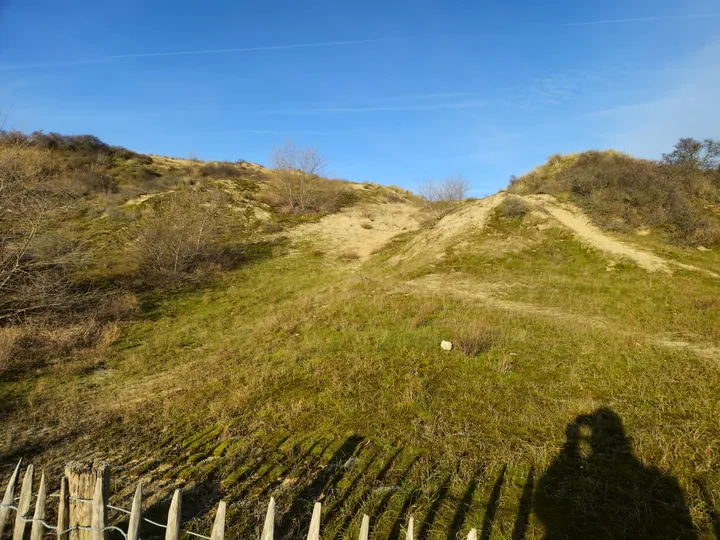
297	185
442	197
34	260
182	230
290	157
451	189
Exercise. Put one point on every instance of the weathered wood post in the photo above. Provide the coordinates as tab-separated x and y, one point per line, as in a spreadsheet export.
82	477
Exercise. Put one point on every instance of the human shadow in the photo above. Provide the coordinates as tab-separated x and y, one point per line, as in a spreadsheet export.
597	488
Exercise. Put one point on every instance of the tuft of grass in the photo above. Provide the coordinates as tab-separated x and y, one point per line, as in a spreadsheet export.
476	338
349	256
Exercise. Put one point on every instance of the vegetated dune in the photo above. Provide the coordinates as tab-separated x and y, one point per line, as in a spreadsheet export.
260	369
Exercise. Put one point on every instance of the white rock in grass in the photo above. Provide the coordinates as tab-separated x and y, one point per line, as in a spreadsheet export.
446	346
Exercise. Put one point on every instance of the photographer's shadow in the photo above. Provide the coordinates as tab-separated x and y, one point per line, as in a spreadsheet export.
597	488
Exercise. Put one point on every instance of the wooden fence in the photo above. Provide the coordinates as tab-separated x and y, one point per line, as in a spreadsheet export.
83	509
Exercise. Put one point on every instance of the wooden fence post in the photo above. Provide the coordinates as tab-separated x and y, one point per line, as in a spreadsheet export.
218	530
133	532
9	496
24	503
36	532
63	511
314	532
410	534
364	528
173	521
82	478
268	532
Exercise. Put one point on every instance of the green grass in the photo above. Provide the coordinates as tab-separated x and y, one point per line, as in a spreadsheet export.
267	381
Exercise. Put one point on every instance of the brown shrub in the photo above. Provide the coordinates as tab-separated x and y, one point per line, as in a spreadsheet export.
476	338
513	207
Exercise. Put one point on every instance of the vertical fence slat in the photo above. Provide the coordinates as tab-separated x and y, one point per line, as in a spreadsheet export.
314	532
268	531
472	535
364	528
410	535
218	530
9	496
98	511
36	532
24	503
173	521
63	511
135	515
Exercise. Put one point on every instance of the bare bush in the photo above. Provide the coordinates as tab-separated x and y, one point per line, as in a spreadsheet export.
297	184
34	260
290	157
181	231
451	189
442	197
187	230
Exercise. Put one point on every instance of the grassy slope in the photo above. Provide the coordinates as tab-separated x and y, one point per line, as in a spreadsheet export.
267	381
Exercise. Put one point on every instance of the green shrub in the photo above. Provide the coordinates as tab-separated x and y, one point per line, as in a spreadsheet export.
513	207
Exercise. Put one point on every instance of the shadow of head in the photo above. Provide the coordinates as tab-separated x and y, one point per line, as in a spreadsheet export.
597	488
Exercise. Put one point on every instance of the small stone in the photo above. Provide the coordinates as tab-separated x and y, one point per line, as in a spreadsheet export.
446	346
702	248
350	462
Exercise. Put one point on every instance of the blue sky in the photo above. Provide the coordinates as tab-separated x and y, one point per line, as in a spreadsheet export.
392	92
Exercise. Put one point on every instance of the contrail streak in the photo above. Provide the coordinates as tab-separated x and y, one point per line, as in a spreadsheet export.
643	19
255	49
108	58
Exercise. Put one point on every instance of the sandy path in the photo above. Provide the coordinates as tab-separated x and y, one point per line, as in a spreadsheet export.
360	230
580	224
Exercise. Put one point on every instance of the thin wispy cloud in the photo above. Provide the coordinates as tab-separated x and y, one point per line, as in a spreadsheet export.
256	49
471	104
114	57
642	19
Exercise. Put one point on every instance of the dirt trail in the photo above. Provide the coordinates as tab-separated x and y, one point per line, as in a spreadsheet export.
580	224
490	294
360	230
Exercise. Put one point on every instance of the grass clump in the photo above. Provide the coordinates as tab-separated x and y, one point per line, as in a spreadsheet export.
476	338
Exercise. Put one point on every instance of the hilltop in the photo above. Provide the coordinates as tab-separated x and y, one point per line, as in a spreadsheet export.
292	334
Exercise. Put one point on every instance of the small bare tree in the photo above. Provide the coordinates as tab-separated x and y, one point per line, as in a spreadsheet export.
451	189
298	175
442	196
